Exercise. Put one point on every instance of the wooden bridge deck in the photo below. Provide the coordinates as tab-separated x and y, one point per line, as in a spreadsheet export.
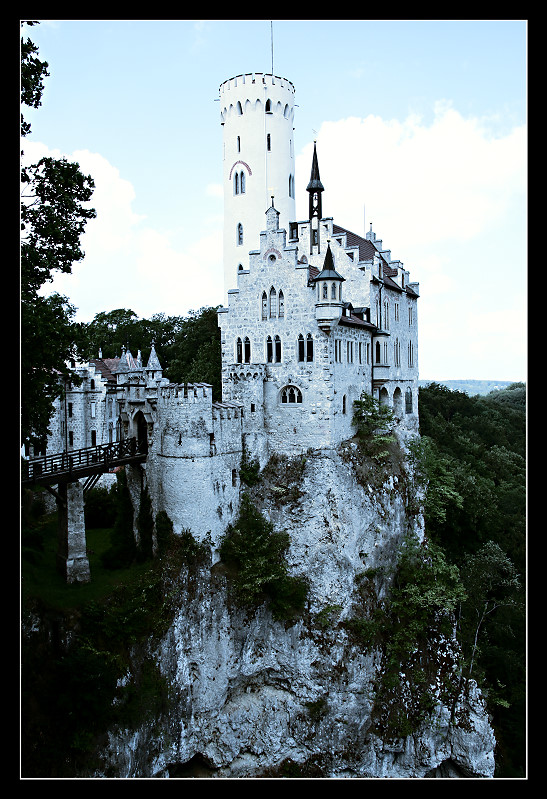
66	467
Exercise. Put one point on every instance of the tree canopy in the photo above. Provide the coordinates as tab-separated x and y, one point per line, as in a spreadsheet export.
54	212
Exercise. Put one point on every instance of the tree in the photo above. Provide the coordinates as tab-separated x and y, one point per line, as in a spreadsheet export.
491	583
54	212
195	354
373	420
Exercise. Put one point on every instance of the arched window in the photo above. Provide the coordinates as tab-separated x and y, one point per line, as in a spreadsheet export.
239	351
273	297
264	306
239	109
333	291
309	348
242	182
281	305
236	182
247	350
378	356
291	395
301	356
239	234
408	400
268	106
269	350
325	292
277	345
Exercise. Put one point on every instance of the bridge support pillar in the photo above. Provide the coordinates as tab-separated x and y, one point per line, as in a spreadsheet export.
72	560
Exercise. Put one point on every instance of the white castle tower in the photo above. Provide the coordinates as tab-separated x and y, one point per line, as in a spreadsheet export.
257	115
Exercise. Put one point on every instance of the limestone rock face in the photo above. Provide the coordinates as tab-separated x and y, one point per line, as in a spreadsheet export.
254	697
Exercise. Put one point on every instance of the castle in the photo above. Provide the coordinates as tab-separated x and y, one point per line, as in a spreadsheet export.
314	316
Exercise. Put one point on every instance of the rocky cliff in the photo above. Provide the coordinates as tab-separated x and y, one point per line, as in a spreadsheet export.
250	696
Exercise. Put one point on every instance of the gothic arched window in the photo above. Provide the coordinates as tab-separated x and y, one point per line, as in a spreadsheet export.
264	306
291	395
281	305
273	297
269	350
325	293
242	182
239	234
277	345
247	350
408	400
239	351
309	348
301	348
236	183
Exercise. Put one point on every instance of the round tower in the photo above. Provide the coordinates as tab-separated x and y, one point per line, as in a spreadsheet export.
257	115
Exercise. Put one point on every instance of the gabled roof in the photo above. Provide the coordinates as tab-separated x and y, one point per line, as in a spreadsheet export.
107	368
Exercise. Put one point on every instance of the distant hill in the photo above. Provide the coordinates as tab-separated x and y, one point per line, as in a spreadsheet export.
471	387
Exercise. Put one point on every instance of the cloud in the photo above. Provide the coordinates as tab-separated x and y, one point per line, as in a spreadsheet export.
127	263
449	200
450	180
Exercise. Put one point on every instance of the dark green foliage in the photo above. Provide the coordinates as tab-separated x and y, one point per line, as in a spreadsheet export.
100	507
164	531
413	628
475	461
54	212
373	421
145	527
256	555
195	355
249	470
123	550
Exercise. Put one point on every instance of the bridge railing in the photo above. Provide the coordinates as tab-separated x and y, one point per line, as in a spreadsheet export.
67	463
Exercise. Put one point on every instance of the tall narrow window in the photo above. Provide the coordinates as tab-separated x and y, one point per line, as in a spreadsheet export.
325	291
236	183
238	144
309	348
264	306
277	342
268	142
239	234
378	355
281	305
269	350
247	350
239	351
333	291
242	182
273	298
301	348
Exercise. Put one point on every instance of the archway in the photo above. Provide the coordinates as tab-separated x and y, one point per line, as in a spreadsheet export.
141	430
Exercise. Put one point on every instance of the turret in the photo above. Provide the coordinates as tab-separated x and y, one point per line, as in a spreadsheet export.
328	298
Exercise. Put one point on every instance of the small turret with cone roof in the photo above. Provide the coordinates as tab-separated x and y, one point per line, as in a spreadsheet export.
328	299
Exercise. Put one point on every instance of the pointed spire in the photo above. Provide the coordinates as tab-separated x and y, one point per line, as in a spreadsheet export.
329	272
315	187
315	180
153	360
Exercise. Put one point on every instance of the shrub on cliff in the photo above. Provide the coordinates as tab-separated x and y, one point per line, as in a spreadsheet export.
255	553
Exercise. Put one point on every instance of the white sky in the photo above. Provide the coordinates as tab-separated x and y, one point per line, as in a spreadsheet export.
420	129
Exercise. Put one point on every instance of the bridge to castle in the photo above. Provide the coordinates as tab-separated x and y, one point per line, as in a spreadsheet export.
73	474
